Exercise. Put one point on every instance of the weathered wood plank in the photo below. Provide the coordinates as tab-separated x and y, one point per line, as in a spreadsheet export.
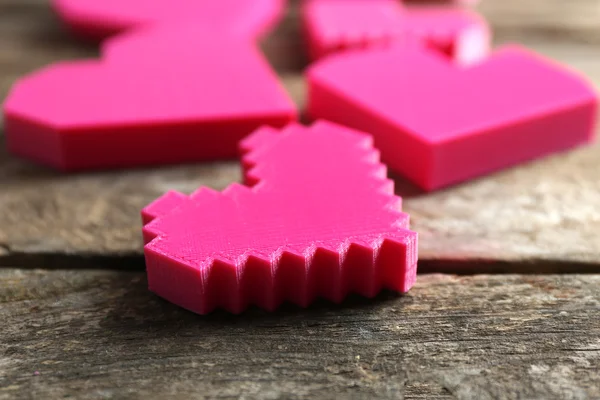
573	20
101	334
543	211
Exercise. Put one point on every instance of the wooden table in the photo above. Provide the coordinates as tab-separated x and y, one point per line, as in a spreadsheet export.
509	309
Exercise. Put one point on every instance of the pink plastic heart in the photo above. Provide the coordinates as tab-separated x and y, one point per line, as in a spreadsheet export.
98	19
158	96
319	220
438	124
333	25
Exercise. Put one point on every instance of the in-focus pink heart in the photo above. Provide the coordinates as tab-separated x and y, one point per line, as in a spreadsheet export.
320	219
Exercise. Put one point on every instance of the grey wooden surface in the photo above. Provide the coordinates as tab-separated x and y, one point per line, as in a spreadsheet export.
101	334
77	320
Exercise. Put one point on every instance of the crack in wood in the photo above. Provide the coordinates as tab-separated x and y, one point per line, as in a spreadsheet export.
135	261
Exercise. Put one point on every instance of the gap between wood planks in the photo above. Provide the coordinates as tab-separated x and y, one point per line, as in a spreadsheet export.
135	262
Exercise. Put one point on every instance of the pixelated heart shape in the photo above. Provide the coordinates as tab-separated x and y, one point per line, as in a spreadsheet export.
320	219
158	96
331	26
98	19
438	124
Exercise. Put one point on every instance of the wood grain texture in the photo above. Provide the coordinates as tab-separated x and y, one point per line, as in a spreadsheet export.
530	217
573	20
101	334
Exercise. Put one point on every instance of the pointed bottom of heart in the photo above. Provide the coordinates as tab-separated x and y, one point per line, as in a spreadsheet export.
298	279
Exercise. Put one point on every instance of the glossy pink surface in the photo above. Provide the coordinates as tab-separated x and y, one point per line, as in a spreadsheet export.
320	219
439	124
